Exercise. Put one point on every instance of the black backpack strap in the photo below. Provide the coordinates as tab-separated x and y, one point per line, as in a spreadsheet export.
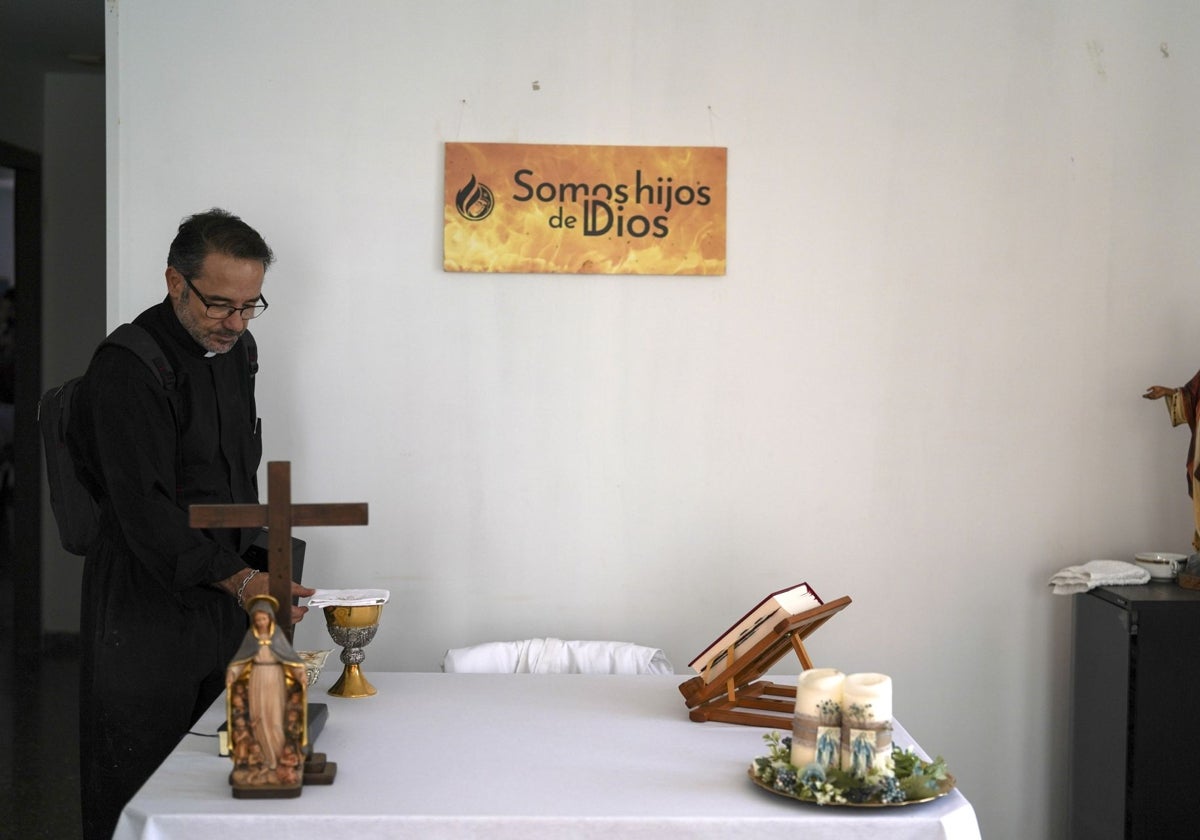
142	344
251	351
137	339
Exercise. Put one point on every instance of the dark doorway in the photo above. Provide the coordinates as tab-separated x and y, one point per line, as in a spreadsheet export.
20	550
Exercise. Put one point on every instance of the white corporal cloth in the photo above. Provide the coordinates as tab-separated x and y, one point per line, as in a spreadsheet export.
348	597
555	656
518	757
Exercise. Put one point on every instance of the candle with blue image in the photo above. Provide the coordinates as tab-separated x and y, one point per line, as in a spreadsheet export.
817	723
867	724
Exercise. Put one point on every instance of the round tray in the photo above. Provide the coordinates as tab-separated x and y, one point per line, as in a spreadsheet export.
945	789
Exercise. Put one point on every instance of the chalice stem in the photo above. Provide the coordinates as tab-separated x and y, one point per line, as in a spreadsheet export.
352	683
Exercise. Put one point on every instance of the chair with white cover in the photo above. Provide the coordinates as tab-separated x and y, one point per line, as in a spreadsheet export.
555	656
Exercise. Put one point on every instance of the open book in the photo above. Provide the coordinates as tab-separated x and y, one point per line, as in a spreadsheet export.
752	628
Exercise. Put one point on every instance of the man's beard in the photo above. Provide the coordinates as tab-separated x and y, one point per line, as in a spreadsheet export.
221	341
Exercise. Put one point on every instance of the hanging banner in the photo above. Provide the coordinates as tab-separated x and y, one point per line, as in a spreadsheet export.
520	208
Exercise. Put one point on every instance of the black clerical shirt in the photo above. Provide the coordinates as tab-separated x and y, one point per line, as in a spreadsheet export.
147	453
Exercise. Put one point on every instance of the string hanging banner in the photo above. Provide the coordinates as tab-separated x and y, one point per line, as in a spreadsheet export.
524	208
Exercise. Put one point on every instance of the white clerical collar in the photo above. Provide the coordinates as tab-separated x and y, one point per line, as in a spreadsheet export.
209	354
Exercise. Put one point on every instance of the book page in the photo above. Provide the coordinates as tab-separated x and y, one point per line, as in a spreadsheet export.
798	600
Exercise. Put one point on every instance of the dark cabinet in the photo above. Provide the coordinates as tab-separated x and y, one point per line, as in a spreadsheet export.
1135	697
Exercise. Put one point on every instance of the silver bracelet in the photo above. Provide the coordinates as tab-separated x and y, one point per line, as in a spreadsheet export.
242	588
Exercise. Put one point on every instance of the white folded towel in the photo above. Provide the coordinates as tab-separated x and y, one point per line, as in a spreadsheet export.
1074	579
554	656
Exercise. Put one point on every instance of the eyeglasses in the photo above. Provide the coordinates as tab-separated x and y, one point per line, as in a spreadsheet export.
221	311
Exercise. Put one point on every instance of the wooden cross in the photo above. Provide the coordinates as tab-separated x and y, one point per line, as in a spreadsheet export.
279	515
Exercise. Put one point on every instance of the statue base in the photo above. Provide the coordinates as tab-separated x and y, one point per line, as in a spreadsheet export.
319	771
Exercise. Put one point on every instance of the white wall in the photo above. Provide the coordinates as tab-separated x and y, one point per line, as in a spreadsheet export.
960	245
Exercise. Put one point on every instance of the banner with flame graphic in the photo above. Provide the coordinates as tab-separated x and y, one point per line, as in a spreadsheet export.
521	208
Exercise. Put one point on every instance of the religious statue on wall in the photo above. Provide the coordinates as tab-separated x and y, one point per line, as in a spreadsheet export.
266	694
1182	405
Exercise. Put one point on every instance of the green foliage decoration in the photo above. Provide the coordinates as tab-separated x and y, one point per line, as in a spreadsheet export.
906	778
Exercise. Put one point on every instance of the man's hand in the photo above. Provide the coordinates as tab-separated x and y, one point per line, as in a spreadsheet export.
299	591
260	584
1157	392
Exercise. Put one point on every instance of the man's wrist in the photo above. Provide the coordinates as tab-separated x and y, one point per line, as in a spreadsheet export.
241	590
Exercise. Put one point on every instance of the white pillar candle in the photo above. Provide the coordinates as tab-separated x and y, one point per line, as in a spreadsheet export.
816	725
871	694
866	722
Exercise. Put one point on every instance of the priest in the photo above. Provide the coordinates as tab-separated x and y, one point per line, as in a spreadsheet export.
163	604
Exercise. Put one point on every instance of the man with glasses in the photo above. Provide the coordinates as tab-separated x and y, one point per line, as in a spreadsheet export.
162	611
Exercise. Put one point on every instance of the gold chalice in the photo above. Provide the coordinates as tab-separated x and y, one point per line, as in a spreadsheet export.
352	627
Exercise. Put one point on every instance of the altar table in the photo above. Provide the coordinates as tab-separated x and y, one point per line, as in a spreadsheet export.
517	756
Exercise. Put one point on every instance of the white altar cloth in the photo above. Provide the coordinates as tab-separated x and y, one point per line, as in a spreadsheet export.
520	757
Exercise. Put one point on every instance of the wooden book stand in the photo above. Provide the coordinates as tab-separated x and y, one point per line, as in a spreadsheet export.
736	690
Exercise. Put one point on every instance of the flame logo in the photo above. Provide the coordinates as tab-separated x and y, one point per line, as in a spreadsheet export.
474	202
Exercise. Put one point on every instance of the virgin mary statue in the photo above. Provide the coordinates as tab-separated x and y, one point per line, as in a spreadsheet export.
265	692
